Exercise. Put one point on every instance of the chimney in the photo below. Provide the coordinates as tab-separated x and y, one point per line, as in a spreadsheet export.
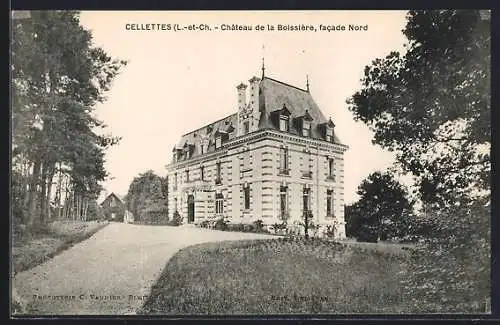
242	100
253	102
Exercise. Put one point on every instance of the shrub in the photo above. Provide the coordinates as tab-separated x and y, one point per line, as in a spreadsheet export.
176	219
258	226
451	267
235	227
330	231
221	224
279	227
204	224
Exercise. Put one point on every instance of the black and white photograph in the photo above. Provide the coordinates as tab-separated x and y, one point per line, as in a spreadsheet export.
250	163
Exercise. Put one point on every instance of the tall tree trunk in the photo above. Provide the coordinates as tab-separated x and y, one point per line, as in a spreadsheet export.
72	204
66	200
25	190
59	191
78	206
32	200
43	193
50	177
85	208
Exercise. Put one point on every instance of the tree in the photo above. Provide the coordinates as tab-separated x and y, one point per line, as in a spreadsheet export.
307	223
57	78
146	198
432	105
383	211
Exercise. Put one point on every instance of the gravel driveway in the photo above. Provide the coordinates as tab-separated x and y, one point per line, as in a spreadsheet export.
111	272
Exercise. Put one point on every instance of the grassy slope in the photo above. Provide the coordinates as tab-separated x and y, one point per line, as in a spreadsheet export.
46	242
278	277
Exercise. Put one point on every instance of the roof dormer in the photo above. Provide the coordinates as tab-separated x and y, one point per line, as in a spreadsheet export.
282	118
304	123
328	130
221	136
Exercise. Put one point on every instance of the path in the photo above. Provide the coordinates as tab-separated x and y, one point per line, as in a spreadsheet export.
111	272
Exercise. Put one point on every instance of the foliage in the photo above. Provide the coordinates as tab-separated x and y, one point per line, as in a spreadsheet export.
147	198
58	77
451	270
255	227
279	227
258	226
307	223
330	231
236	227
205	224
221	224
383	210
432	105
176	219
95	211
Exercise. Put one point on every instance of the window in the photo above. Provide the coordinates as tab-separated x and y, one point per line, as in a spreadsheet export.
175	204
112	204
175	181
331	170
202	173
284	123
187	176
283	203
329	135
246	127
218	178
219	203
246	193
306	199
306	129
247	160
329	202
283	160
218	142
307	172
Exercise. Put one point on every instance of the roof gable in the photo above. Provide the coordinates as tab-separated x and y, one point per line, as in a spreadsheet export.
306	116
114	196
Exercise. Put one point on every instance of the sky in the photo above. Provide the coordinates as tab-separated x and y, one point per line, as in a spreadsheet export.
178	81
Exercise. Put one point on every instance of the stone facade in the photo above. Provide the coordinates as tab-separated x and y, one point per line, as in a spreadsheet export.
264	168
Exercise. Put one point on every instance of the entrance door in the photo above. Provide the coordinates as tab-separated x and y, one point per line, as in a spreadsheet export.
190	203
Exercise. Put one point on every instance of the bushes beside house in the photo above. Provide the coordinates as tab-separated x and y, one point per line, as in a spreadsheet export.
176	220
224	225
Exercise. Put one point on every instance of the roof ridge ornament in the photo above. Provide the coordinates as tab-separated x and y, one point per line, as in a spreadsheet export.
263	66
307	82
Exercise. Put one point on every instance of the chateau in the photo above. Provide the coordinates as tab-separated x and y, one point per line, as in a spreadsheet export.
277	155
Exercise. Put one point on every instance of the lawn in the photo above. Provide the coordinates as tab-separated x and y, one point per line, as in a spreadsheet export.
280	276
46	241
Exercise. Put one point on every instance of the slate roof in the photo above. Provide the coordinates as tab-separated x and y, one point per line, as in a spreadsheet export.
274	95
208	131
